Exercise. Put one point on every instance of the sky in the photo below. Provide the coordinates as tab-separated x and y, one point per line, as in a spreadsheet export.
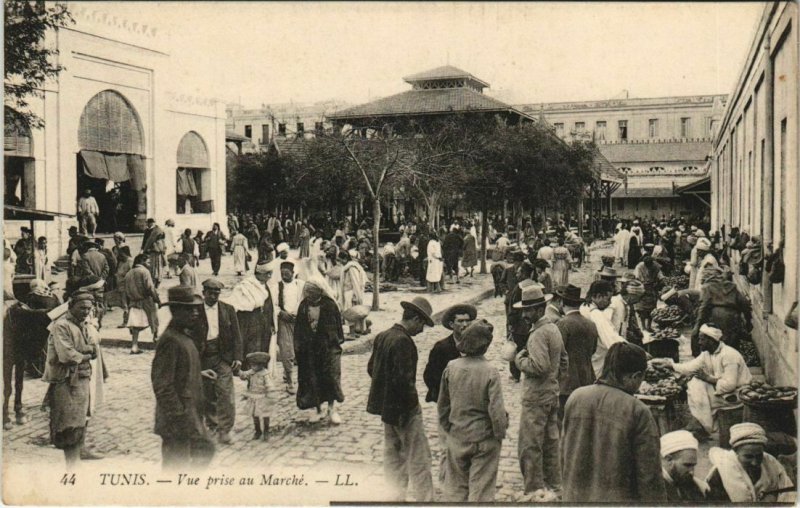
278	52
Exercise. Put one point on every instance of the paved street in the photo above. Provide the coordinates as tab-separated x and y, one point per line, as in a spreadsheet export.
123	427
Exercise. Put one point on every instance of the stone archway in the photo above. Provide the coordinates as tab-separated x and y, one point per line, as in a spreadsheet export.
111	161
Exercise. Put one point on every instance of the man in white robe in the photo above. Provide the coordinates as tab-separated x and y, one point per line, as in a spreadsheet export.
717	374
621	244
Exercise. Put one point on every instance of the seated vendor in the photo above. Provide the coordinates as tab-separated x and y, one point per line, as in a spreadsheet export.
678	460
747	474
717	373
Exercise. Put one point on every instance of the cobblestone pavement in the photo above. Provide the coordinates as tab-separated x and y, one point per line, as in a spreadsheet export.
122	429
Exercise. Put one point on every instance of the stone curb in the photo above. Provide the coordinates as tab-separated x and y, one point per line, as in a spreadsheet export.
364	344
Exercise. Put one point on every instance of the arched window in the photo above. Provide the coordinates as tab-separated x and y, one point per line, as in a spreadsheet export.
193	175
110	124
111	163
18	163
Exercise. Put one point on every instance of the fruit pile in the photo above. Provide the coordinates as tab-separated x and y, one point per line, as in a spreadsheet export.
677	281
762	392
666	333
671	314
750	354
668	388
656	372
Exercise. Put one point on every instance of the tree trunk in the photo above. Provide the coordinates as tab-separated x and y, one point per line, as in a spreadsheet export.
376	276
484	234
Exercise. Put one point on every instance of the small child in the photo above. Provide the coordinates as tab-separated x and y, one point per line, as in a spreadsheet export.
259	384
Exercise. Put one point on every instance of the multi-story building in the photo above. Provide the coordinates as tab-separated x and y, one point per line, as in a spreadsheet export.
115	124
660	144
263	125
754	180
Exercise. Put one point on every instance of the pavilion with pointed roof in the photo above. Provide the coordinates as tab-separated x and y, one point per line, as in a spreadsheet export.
444	90
448	90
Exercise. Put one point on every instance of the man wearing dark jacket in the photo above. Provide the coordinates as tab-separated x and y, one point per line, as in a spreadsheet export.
178	388
517	329
393	396
220	346
580	340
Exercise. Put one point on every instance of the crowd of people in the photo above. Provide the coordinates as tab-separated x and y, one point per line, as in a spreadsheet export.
578	359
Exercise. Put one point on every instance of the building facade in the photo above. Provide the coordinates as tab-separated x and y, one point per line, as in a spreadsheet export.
115	125
660	144
754	178
261	126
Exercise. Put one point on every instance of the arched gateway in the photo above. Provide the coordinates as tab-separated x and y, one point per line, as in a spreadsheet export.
111	162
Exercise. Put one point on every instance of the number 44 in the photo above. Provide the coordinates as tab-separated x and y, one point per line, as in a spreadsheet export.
68	479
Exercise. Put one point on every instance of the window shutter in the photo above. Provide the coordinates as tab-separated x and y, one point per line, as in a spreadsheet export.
192	152
16	135
110	124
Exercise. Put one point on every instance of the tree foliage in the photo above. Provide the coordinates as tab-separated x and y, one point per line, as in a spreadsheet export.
441	153
375	158
29	63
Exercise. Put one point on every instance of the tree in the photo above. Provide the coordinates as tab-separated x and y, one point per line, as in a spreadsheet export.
440	152
28	62
376	158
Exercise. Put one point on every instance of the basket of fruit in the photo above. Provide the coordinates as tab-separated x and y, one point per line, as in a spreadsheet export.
661	391
760	394
666	332
666	316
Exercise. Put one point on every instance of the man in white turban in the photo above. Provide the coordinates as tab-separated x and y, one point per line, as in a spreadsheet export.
747	474
701	259
678	460
283	250
717	374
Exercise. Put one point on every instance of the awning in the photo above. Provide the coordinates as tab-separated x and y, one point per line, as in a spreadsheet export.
701	186
117	167
646	192
236	138
701	189
12	212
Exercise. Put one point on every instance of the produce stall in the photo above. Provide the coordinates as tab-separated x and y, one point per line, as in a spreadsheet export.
664	392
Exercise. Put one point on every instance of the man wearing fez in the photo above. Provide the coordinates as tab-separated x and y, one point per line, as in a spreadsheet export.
456	318
393	396
221	352
177	382
678	460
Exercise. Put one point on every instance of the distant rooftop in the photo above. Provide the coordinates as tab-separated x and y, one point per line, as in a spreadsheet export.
676	151
429	78
416	102
442	90
622	103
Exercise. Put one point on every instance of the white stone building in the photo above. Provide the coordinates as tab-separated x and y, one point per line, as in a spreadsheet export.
115	123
